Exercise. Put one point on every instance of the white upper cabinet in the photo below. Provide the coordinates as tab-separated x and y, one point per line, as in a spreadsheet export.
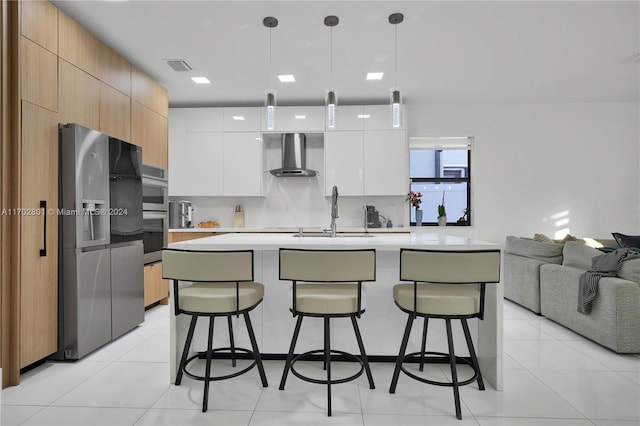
296	119
204	120
343	162
241	119
242	164
378	117
366	162
203	168
348	117
385	162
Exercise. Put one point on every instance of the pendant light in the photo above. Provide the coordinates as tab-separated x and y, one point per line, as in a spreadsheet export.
396	101
331	100
270	100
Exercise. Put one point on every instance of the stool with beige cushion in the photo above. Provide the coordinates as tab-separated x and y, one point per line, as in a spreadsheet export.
327	284
221	286
438	290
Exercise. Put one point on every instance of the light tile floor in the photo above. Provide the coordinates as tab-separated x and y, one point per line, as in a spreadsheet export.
552	377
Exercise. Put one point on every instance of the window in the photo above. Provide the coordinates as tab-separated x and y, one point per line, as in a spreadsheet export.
441	167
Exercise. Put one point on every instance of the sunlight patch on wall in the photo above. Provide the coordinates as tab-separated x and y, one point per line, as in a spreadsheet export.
561	221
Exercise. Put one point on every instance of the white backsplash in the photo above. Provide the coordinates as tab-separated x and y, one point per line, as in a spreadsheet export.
295	202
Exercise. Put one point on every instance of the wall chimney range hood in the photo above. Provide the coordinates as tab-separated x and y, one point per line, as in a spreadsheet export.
293	157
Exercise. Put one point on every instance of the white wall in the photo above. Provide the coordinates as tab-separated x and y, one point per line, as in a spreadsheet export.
533	166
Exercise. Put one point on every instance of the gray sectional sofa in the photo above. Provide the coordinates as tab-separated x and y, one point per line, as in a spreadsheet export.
544	277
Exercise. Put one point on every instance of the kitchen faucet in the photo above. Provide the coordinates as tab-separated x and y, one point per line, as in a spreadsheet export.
334	210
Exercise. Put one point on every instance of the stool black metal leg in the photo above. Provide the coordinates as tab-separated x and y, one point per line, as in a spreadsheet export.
207	373
454	373
231	343
256	352
185	351
363	354
327	357
424	342
287	364
472	353
403	349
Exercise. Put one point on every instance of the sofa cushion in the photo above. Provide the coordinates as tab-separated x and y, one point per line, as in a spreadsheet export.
626	240
630	270
547	252
578	255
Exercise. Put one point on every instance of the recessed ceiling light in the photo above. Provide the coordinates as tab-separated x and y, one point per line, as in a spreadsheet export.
375	76
237	117
364	115
300	117
200	80
286	78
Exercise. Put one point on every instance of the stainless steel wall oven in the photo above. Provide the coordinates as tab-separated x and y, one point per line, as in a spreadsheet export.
155	215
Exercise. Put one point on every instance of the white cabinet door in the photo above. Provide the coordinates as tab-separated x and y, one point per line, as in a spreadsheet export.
178	162
242	164
297	119
343	162
241	119
200	120
348	117
385	163
204	165
379	117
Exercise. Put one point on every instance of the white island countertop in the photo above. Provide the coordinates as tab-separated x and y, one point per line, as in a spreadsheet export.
381	326
382	242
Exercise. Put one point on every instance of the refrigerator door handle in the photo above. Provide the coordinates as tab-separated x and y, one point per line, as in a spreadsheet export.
43	206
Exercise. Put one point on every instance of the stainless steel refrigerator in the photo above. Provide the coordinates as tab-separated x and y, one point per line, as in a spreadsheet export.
101	278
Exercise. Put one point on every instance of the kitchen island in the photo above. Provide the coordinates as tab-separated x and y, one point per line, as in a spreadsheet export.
381	325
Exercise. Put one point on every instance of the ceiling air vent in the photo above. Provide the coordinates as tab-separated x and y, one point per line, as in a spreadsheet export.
179	65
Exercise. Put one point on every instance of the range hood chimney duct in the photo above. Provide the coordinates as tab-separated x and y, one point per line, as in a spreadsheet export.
293	157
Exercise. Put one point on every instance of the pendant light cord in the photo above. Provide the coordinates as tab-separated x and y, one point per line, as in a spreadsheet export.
331	57
270	63
395	27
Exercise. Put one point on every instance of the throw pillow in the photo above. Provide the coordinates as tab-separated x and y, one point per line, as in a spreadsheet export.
542	238
626	240
568	237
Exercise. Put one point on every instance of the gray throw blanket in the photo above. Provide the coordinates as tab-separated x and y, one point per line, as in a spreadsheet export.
605	265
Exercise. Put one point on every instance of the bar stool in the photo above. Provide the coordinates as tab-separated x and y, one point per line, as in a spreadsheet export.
438	292
222	286
327	284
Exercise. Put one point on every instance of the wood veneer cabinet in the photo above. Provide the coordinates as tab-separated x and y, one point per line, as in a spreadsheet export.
175	237
115	113
79	96
39	23
114	70
148	92
39	269
39	83
77	45
155	288
54	71
149	130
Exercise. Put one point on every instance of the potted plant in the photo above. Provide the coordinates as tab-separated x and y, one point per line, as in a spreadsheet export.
415	198
465	216
442	213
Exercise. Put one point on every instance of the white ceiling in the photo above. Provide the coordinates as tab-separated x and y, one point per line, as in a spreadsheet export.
448	51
